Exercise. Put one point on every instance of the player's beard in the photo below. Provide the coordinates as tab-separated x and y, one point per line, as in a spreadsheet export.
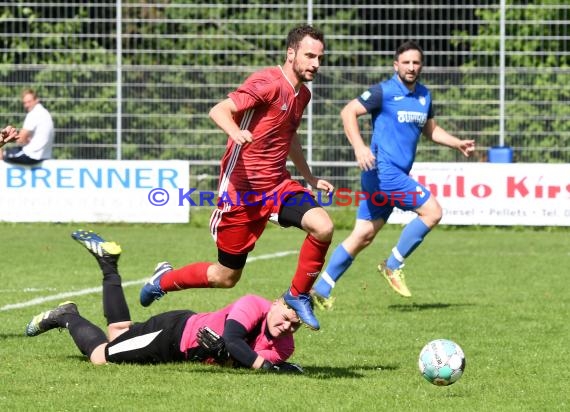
302	74
408	82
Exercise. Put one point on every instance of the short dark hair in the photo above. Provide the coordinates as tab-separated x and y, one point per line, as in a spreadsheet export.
408	45
300	32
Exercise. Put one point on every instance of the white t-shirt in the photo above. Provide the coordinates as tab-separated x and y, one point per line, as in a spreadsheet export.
39	123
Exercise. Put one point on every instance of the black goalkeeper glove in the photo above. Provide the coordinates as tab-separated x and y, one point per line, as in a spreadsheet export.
284	367
213	344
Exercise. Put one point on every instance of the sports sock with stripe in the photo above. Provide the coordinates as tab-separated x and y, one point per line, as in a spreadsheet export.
339	263
411	237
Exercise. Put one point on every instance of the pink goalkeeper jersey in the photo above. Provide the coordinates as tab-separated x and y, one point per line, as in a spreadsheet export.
271	110
250	311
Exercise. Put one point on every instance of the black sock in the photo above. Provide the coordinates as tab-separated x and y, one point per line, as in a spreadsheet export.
86	335
109	264
115	306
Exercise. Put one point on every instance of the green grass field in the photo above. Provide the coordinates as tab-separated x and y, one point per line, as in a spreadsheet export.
502	294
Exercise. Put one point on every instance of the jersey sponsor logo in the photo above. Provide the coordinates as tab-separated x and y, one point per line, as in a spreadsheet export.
284	107
412	117
366	95
398	98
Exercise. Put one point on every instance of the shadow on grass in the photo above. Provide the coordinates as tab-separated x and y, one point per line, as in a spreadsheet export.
328	372
415	307
13	335
313	372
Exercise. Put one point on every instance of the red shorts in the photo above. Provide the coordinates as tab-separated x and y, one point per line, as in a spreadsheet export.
236	228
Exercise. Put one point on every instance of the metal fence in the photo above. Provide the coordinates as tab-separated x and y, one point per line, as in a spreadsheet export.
136	79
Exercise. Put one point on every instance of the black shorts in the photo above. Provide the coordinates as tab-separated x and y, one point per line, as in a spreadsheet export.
155	341
17	155
294	208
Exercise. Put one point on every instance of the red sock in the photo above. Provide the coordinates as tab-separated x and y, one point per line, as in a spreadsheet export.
191	276
311	261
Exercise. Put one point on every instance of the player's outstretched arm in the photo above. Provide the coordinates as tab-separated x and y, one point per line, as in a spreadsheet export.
235	335
349	115
298	158
222	114
466	147
442	137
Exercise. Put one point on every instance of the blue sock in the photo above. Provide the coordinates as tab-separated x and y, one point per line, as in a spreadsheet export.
340	261
411	237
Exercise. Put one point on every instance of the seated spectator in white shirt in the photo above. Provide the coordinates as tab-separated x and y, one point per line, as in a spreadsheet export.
36	136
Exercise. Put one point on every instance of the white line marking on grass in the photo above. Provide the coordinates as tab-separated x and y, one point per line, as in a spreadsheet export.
28	290
65	295
272	255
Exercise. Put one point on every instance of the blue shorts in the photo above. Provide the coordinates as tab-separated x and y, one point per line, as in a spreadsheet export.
392	190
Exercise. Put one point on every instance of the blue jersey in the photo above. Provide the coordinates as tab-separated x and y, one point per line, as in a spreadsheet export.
398	117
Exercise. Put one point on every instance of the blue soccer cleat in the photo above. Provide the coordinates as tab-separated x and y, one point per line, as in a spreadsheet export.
50	319
97	246
303	306
151	290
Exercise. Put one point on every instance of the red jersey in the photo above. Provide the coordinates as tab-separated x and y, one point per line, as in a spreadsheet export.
271	110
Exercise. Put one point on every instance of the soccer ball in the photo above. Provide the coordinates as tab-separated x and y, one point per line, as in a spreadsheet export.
441	362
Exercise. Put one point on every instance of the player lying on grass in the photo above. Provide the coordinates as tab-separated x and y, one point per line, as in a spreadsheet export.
252	332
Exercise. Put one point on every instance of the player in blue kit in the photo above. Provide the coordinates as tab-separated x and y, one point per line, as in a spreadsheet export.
401	110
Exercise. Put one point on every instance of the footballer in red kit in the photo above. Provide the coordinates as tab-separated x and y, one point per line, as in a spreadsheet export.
261	118
270	108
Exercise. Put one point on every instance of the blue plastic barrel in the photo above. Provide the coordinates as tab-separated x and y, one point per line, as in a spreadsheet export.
500	154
